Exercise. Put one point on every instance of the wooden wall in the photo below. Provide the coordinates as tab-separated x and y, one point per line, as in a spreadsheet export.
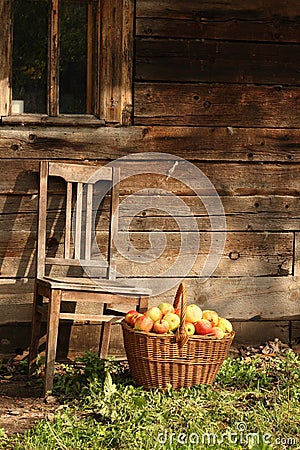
217	84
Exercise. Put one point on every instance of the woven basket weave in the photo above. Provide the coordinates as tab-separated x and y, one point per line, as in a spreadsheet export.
161	360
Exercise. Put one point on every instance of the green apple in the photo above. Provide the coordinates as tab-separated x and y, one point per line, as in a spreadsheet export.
166	308
154	313
189	328
173	321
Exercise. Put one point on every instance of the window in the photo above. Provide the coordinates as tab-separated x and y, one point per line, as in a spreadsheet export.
66	58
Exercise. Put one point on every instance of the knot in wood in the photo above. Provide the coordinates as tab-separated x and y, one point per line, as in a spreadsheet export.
234	255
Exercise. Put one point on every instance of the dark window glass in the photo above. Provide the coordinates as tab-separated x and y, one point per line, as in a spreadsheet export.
30	41
73	19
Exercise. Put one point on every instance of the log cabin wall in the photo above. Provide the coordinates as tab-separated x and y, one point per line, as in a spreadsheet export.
218	85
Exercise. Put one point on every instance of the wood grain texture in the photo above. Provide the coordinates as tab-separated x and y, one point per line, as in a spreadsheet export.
173	60
227	105
214	143
5	56
241	299
116	56
21	177
221	28
257	9
245	254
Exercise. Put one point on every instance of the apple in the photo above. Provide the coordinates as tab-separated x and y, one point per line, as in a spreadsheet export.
173	321
143	323
161	326
189	328
217	332
212	316
166	308
129	315
203	326
177	311
134	317
154	313
193	313
225	325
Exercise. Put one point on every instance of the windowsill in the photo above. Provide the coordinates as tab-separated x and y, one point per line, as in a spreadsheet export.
70	120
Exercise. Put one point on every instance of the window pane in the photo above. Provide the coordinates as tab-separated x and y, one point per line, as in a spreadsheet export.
29	72
73	57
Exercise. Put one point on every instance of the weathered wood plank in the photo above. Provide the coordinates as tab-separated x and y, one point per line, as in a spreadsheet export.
21	177
255	213
245	254
197	143
116	55
258	333
256	298
257	9
226	105
225	28
181	60
297	254
5	56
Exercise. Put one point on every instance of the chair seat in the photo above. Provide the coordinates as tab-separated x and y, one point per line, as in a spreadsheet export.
91	285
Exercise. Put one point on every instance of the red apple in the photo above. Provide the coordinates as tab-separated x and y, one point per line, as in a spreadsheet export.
193	313
129	315
217	332
203	326
166	308
212	316
189	328
143	323
161	326
134	317
154	313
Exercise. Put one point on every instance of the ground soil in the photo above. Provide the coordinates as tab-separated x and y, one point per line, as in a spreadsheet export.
22	404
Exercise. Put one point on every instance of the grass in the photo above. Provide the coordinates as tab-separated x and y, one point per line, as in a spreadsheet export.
254	404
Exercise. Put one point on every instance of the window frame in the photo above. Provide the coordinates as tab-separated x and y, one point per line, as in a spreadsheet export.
109	66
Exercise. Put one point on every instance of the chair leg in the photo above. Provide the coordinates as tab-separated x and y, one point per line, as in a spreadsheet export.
104	339
35	331
52	333
143	304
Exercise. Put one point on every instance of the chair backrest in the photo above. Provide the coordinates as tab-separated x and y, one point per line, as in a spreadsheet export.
73	208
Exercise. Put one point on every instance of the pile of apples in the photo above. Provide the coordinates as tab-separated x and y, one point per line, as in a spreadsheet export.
164	319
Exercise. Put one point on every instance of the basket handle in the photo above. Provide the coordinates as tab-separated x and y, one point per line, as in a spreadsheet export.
181	336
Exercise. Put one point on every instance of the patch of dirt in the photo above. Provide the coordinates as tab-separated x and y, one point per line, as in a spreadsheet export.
22	404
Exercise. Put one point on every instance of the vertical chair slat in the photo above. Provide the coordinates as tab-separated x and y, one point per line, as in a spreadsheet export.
88	224
68	220
113	228
78	221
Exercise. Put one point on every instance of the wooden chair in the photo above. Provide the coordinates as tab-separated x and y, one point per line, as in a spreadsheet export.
75	251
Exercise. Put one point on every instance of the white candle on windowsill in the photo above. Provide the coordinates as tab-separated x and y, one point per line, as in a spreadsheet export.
17	107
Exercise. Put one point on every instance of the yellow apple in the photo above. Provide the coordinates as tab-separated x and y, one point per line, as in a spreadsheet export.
212	316
193	313
225	325
217	332
166	308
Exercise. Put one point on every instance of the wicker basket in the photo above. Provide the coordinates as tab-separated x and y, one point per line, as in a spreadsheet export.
161	360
